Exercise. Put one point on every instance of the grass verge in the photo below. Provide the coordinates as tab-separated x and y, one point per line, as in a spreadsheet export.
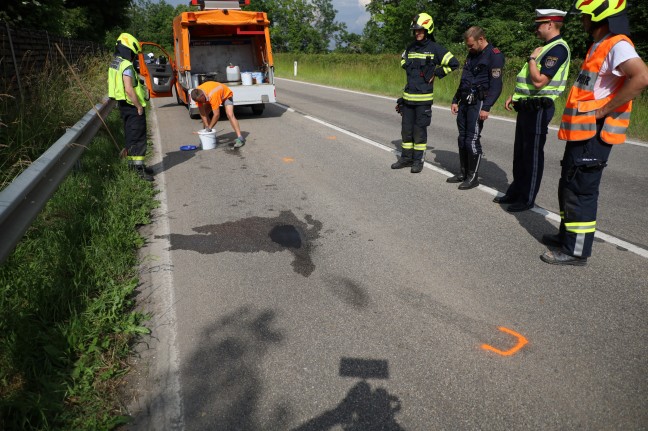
66	310
382	74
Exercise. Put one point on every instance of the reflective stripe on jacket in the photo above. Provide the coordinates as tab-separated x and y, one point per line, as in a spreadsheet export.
116	88
524	85
578	121
422	61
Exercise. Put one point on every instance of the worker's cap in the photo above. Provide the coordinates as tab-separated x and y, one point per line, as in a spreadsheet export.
150	55
546	15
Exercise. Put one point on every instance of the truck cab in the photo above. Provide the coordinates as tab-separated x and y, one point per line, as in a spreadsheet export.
220	42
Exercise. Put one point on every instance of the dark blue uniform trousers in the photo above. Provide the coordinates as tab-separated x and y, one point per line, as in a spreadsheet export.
134	132
414	124
528	153
470	127
578	192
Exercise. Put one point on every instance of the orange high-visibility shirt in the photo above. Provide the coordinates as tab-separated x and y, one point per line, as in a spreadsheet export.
216	93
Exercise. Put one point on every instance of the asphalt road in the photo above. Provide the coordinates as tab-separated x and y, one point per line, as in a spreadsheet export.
301	284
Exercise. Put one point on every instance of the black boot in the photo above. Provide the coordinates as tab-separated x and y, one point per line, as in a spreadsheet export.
141	171
472	176
462	163
417	166
405	160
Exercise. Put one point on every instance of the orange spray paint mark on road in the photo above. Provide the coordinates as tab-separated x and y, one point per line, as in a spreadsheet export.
331	138
521	342
288	159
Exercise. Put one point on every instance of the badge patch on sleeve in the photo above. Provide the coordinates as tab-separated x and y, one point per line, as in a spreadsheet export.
550	61
496	73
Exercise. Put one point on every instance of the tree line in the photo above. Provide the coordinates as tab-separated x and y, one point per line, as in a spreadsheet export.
508	24
311	26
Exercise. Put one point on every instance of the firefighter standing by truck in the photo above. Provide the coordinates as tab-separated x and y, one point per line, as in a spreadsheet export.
131	95
480	86
423	61
596	117
541	81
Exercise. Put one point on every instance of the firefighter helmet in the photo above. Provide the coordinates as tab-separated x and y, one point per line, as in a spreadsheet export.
423	21
129	42
601	9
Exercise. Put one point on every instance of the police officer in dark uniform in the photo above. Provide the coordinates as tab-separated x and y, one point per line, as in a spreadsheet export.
480	86
423	61
539	83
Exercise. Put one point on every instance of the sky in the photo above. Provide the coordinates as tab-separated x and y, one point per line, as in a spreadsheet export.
350	12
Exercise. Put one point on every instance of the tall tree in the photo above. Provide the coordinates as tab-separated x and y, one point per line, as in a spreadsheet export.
77	19
388	28
300	25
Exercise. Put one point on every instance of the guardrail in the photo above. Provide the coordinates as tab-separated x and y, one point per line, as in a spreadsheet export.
26	196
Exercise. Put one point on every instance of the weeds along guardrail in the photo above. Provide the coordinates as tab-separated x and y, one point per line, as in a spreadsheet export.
26	51
23	199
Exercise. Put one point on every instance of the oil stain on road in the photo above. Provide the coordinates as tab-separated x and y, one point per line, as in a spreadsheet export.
254	234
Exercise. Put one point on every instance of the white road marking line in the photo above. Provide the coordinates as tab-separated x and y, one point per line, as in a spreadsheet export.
495	117
491	191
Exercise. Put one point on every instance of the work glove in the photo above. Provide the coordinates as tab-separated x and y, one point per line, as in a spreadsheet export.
399	105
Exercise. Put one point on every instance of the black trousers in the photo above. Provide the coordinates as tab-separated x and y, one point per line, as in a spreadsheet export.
414	124
528	153
470	127
134	133
578	192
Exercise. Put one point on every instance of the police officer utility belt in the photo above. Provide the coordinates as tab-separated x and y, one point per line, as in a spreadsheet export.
533	104
470	97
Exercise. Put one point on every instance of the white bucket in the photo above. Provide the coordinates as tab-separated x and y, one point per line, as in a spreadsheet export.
257	77
207	139
246	78
233	73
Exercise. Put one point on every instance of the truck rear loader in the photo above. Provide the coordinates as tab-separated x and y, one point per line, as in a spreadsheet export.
222	43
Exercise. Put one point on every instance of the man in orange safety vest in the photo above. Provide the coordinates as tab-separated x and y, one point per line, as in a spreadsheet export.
596	117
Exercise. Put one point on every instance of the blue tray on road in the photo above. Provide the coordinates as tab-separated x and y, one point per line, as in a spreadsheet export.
188	147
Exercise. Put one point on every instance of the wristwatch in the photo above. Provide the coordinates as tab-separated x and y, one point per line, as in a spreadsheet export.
531	59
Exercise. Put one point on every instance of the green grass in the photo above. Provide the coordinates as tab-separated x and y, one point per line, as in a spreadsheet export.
66	310
381	74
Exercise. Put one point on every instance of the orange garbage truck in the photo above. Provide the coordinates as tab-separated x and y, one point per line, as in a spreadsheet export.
220	42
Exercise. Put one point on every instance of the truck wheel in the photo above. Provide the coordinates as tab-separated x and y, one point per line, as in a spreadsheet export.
258	109
194	113
178	99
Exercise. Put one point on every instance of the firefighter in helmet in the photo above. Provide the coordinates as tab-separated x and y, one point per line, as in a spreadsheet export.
423	61
596	117
131	95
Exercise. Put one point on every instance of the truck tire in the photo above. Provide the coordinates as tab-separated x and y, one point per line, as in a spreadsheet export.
194	114
258	109
178	99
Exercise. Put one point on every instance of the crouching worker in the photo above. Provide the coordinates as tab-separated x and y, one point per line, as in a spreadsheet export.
210	96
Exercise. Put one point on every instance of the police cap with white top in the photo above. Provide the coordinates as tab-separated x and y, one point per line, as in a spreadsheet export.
545	15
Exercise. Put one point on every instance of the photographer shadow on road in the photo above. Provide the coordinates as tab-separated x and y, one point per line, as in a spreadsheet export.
363	408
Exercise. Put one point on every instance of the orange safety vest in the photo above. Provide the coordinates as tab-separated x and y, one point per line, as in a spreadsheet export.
578	122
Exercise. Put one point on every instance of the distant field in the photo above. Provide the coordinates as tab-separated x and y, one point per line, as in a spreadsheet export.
381	74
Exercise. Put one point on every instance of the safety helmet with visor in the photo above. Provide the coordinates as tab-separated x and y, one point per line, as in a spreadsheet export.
601	9
129	41
423	21
611	11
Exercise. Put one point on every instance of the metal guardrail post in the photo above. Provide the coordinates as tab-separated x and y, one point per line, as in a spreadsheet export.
26	196
13	56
